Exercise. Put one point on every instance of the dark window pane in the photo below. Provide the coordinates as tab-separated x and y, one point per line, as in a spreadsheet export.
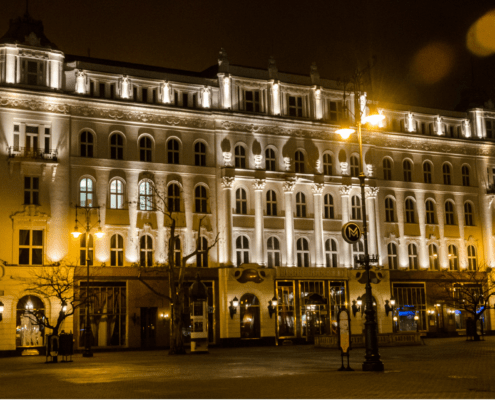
23	256
24	238
37	257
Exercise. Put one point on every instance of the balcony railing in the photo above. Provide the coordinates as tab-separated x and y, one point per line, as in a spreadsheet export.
33	153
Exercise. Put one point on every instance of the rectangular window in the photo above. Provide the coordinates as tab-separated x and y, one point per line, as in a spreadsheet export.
490	129
423	128
47	140
31	190
135	93
32	137
194	101
112	91
176	98
286	315
16	137
185	100
30	247
410	301
91	88
153	96
252	101
295	106
34	72
102	90
144	95
334	111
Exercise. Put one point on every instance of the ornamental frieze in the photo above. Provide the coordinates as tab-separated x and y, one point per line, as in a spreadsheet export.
34	105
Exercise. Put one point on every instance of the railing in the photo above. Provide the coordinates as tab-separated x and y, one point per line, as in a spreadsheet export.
33	153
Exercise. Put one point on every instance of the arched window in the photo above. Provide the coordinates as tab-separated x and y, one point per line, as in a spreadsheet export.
355	208
242	250
327	164
412	252
86	192
145	147
299	162
116	194
328	207
453	258
430	212
240	156
173	151
177	253
465	176
117	251
354	166
331	259
407	168
447	180
82	250
240	201
87	144
427	172
146	251
300	205
173	198
389	210
202	256
472	259
357	252
117	147
200	199
273	252
410	218
250	317
271	203
145	196
200	154
270	160
387	169
302	250
392	256
433	256
468	214
449	213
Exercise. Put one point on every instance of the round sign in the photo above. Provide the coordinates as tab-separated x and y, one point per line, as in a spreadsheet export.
351	232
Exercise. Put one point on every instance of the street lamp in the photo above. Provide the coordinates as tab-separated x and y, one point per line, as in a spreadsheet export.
99	234
372	357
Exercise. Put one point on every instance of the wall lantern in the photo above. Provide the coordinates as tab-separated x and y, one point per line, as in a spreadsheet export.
1	310
272	306
389	307
233	307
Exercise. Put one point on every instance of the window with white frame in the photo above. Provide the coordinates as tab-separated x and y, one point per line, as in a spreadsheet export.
410	214
83	256
472	258
295	105
87	144
299	162
173	151
407	169
328	208
117	250
430	212
468	214
300	205
200	199
200	154
392	256
30	247
31	190
273	252
354	166
427	172
453	258
202	256
146	251
271	203
117	147
412	253
447	179
240	156
433	257
389	210
116	194
145	149
145	196
327	164
270	161
355	208
449	213
331	255
302	251
173	198
242	250
240	201
387	169
465	175
86	192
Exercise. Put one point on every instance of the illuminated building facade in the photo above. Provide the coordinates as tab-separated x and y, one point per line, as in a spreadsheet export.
255	151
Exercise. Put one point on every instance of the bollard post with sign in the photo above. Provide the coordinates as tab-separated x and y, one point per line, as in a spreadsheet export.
344	336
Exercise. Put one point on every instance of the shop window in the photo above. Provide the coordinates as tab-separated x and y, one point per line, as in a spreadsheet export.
250	317
410	300
285	311
338	300
30	247
313	308
28	332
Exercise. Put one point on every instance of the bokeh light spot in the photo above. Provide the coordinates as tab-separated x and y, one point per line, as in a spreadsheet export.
481	35
432	63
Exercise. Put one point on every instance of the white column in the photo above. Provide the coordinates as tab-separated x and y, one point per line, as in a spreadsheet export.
227	183
459	205
486	203
258	185
371	194
10	64
317	192
441	231
132	248
422	251
276	98
344	192
289	221
226	95
402	248
318	103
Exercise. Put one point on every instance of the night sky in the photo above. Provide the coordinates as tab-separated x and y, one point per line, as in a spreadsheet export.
422	57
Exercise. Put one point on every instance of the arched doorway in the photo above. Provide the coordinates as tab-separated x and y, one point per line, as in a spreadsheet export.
250	316
28	332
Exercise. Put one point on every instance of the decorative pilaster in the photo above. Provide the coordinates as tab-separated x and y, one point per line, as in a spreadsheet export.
371	193
227	183
402	247
289	221
487	202
317	192
318	103
459	205
440	206
132	251
344	192
259	185
422	251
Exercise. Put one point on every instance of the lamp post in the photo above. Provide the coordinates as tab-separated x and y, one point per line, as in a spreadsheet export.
99	234
372	357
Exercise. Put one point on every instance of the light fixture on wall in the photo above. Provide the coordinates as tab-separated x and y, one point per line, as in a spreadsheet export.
1	310
389	307
233	307
272	306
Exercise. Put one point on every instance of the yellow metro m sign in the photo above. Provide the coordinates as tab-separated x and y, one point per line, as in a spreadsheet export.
351	232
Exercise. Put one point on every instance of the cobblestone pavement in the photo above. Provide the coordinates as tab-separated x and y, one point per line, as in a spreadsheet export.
442	368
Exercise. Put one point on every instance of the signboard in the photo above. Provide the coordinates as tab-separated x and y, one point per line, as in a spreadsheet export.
344	336
351	232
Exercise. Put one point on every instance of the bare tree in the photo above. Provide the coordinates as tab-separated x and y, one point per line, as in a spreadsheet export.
469	291
170	208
